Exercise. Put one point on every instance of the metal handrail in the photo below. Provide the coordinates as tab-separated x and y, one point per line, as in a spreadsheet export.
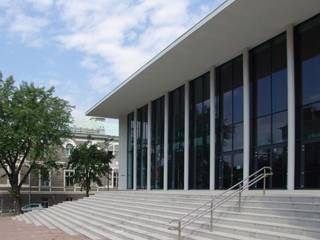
222	198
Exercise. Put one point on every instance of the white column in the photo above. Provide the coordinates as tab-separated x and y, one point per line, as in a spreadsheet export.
291	108
149	148
50	180
135	151
112	177
165	148
123	152
39	181
186	136
212	128
246	114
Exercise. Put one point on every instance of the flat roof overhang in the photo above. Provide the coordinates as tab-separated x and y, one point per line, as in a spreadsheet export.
222	35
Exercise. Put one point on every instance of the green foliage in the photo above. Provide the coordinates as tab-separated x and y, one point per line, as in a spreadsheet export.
33	123
90	163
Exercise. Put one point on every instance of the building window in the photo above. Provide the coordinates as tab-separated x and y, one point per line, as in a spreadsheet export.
130	139
142	143
176	139
44	178
157	143
199	128
69	148
269	122
229	123
307	52
115	179
69	178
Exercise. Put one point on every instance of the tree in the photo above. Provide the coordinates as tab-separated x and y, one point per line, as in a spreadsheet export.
33	123
89	163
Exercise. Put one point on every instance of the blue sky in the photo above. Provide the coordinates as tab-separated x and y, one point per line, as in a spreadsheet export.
87	47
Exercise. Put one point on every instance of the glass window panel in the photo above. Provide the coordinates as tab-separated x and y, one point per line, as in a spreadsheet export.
261	76
226	84
279	74
237	168
227	138
142	126
130	138
238	136
280	127
311	169
199	133
311	121
157	143
176	139
308	59
238	105
279	167
263	131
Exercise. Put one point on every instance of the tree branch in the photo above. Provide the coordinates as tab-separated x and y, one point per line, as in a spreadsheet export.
26	175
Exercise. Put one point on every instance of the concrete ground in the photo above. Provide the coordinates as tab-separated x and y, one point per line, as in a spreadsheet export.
15	230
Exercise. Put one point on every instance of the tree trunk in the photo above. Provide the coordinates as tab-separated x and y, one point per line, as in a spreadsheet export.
87	192
16	196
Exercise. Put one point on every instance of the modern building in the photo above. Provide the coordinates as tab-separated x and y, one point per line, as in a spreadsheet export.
57	185
240	90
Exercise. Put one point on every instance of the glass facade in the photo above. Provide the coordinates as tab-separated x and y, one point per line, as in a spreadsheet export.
199	133
307	56
229	123
157	143
269	123
130	143
142	141
176	139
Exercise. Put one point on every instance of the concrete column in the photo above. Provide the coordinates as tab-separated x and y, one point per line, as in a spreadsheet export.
123	152
291	108
39	181
50	181
166	135
112	175
186	136
149	148
246	114
212	128
135	151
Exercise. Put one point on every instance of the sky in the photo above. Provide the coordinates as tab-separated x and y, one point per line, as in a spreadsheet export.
85	48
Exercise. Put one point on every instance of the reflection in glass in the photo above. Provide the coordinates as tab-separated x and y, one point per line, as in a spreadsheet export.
269	109
199	127
176	139
157	143
229	123
130	139
307	51
142	128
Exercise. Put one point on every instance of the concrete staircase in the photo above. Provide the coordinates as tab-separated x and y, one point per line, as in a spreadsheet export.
139	215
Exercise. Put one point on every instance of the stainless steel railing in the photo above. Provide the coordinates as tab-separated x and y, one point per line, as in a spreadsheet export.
217	201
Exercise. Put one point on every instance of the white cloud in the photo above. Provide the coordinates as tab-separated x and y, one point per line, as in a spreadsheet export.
124	34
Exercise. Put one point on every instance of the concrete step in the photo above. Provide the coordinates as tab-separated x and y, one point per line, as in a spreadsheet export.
227	220
140	215
280	203
151	227
232	205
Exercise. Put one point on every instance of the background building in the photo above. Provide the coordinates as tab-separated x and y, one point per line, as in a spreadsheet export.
238	91
57	185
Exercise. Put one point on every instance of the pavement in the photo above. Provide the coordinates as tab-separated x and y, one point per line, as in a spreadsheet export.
15	230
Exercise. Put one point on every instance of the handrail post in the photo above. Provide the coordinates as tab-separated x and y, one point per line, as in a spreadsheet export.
239	203
211	216
264	181
179	230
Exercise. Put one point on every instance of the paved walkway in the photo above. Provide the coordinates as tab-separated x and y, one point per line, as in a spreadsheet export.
16	230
